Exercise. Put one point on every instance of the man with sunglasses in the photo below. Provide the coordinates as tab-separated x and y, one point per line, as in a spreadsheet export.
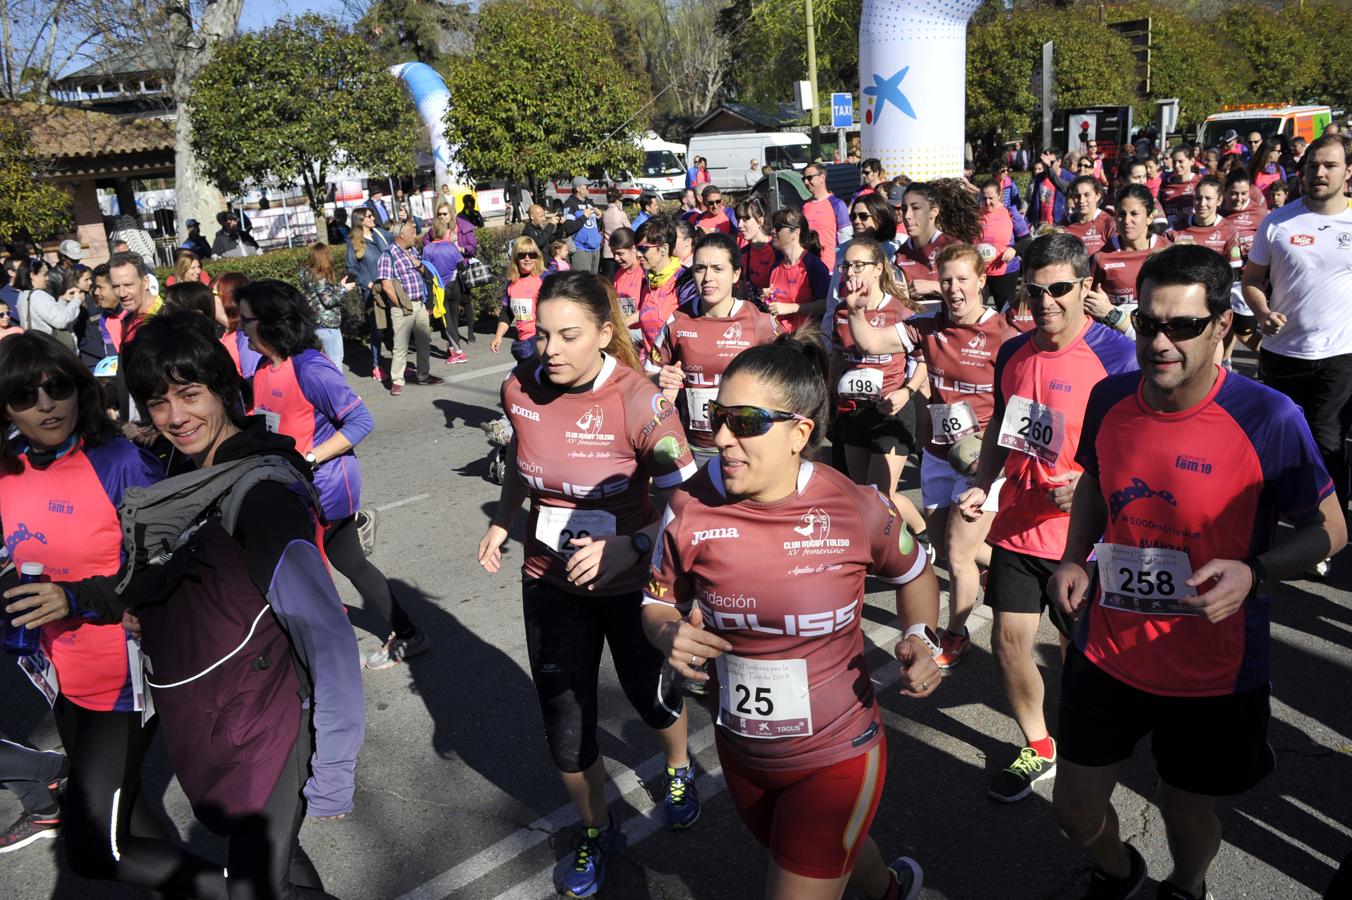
826	214
716	216
1187	469
1042	384
874	180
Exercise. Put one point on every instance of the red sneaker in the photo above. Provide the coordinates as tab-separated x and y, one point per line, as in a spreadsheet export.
396	390
952	647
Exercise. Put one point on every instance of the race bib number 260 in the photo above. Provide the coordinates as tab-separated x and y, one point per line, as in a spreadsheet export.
1033	428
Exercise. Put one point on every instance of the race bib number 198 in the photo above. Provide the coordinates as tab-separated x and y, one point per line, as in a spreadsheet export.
1146	580
861	384
1033	428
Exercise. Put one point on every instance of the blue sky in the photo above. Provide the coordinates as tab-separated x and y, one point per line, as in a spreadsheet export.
261	13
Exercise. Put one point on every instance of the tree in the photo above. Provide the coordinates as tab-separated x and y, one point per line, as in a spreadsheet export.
399	31
29	206
1285	58
542	94
1093	67
769	41
294	101
1329	23
40	38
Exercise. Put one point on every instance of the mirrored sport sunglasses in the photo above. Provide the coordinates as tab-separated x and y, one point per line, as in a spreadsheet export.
1180	328
747	421
58	387
1056	289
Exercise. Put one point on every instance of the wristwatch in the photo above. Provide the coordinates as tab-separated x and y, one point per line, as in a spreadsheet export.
312	460
1260	575
643	545
926	635
1113	317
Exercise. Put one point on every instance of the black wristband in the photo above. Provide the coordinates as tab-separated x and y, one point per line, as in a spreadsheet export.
1259	573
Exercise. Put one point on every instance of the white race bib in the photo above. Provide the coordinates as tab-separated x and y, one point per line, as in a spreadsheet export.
1146	580
951	422
273	420
523	309
42	673
764	698
556	527
698	401
628	306
1033	428
861	384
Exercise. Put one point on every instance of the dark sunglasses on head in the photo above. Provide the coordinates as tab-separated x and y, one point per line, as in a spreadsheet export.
747	421
1057	289
58	387
1180	328
527	254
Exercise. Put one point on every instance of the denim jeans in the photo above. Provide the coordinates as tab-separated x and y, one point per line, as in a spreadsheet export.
331	341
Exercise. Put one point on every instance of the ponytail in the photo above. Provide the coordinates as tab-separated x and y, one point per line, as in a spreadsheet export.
792	218
796	368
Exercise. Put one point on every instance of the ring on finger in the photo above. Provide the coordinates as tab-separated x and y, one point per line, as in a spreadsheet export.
692	659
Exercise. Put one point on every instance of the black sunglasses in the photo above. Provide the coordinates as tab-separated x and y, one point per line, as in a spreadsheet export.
1058	289
712	202
747	421
860	216
58	387
529	254
1182	328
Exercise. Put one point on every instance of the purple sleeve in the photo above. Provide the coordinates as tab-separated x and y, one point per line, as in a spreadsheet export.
842	213
384	267
818	276
120	464
323	385
1115	350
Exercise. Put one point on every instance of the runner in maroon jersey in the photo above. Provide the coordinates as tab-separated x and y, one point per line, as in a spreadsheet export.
876	389
758	250
1243	208
1176	192
1115	266
694	351
935	215
593	438
1207	228
1092	226
761	567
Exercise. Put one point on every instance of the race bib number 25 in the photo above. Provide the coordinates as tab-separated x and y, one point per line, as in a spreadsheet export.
764	698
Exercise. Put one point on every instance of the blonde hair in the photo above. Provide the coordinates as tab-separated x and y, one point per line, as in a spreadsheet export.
183	260
557	247
525	244
597	297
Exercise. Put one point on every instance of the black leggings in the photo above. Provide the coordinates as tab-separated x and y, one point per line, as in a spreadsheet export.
343	548
456	297
565	633
1003	288
27	772
108	831
266	860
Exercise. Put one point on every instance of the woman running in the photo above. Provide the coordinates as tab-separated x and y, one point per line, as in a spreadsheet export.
628	278
997	247
1116	266
62	476
800	282
694	350
799	732
758	249
935	215
518	306
300	393
593	439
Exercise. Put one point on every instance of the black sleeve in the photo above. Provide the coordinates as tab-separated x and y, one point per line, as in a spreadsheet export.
271	517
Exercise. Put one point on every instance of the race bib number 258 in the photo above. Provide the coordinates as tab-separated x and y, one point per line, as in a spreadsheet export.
1146	580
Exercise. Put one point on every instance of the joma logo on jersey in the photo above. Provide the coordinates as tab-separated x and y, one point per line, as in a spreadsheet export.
1137	490
1302	240
687	334
802	625
525	413
1114	265
713	534
1192	464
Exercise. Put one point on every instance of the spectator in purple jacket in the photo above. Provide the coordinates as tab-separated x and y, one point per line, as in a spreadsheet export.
465	225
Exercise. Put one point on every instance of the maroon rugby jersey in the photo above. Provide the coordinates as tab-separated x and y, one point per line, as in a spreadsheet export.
1220	236
588	458
918	262
1115	270
1094	234
1176	199
961	363
784	584
868	378
1246	222
704	347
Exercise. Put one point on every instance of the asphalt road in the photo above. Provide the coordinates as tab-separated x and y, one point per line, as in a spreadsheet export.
456	796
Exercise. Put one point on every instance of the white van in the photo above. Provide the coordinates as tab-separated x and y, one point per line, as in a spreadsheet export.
730	153
661	172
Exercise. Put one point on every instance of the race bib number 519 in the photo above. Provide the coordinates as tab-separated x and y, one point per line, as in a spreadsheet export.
1033	428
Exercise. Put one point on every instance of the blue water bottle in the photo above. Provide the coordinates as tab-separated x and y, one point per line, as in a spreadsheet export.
23	641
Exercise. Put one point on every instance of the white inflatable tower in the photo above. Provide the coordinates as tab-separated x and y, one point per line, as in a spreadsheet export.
913	85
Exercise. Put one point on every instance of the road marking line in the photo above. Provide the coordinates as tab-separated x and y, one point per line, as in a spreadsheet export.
479	373
1282	836
405	502
1322	818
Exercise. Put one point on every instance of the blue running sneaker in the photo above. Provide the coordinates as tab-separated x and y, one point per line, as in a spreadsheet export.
588	871
908	879
681	805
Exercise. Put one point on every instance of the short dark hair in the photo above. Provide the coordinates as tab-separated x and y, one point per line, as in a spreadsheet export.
658	230
180	347
100	271
872	164
285	321
1184	264
1089	180
193	295
127	258
1210	181
683	228
1331	140
717	240
621	239
709	189
28	356
1054	250
1138	192
646	199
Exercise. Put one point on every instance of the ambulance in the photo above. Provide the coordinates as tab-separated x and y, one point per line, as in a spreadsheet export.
1267	119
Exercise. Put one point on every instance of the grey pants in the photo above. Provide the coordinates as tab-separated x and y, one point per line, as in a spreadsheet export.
585	260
